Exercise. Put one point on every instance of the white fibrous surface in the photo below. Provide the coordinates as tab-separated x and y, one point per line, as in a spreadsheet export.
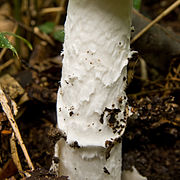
91	104
132	175
89	163
96	52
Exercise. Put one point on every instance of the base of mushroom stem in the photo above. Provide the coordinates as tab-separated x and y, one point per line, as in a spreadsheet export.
91	163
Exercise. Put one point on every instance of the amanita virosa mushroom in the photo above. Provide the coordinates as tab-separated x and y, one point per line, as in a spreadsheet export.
91	104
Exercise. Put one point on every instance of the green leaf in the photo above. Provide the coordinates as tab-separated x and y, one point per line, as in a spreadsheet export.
47	27
4	43
59	35
19	37
137	4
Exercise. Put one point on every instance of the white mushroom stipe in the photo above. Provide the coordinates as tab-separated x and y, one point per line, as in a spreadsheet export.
91	104
89	162
132	175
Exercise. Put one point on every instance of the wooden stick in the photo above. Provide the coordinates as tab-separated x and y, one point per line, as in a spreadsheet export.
52	10
9	114
6	64
14	154
157	19
62	4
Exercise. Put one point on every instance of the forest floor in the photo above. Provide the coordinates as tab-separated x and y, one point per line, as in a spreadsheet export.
151	142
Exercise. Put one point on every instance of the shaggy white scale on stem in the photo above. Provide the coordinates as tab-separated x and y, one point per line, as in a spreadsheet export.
91	102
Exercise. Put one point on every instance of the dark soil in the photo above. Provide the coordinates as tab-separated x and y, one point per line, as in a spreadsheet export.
151	142
41	174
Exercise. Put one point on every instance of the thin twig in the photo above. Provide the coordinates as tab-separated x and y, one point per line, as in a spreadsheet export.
9	114
158	18
52	10
62	3
173	79
6	64
153	91
43	36
156	82
14	154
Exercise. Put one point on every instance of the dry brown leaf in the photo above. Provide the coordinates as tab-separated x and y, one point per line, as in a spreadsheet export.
11	86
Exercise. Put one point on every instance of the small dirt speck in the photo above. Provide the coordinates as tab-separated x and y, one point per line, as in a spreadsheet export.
71	113
106	171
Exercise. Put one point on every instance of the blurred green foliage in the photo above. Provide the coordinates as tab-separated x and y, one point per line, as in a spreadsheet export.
137	4
59	35
49	28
